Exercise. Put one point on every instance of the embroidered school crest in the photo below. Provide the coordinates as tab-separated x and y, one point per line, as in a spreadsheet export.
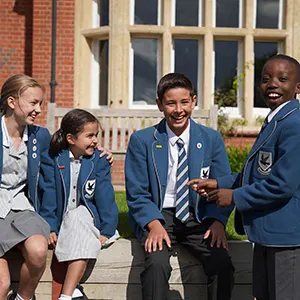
204	172
90	188
265	162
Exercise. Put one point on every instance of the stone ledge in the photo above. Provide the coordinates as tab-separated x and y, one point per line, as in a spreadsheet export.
116	274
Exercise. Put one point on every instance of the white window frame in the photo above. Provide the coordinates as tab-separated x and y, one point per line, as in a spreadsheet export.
280	14
233	112
95	75
131	104
199	67
200	13
159	12
240	17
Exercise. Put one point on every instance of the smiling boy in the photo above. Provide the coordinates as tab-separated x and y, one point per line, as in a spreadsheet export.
163	211
267	192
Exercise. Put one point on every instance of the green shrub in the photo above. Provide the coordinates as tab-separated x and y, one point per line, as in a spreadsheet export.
237	157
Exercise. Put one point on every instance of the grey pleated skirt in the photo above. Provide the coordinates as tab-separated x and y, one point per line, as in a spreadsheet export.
78	237
18	226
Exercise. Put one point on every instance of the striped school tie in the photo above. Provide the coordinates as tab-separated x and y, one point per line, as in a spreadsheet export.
182	177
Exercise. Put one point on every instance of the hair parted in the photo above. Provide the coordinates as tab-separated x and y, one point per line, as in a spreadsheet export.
72	123
173	81
14	87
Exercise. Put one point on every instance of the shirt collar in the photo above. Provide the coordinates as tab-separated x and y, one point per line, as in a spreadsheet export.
72	158
272	113
185	136
6	138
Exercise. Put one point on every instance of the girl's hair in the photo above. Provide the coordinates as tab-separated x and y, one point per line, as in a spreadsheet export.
15	86
72	123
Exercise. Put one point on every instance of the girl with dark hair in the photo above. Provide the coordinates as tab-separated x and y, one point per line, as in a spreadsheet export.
84	215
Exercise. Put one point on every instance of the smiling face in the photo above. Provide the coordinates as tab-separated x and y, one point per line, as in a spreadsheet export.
177	105
279	82
84	142
28	106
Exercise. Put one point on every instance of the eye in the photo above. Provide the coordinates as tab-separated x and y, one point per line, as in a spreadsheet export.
264	79
283	79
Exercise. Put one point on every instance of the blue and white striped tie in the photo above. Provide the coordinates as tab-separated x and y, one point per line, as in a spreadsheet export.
182	177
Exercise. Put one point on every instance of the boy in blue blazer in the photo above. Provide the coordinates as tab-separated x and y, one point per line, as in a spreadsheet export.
162	210
267	191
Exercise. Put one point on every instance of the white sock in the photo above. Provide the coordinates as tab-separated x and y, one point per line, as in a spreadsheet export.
18	297
77	293
64	297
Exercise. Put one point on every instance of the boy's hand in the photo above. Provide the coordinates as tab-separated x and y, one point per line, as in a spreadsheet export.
217	233
103	239
109	157
157	234
223	197
52	240
203	186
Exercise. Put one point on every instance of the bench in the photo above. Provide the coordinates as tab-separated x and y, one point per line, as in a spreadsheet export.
118	124
116	274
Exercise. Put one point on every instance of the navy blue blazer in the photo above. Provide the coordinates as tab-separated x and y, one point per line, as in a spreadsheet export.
267	191
146	170
94	187
37	147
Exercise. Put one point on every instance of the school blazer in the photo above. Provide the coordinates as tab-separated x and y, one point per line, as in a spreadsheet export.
267	191
146	171
94	187
37	147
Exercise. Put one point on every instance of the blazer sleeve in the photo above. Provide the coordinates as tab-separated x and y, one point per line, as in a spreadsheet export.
139	199
48	205
105	198
283	180
219	167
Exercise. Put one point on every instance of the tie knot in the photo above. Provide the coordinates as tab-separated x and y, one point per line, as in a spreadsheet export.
180	143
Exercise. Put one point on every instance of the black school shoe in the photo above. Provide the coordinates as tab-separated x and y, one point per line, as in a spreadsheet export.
83	297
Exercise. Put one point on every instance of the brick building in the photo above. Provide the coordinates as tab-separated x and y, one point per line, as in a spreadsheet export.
112	53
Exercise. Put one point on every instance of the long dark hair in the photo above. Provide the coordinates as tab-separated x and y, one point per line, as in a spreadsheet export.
72	123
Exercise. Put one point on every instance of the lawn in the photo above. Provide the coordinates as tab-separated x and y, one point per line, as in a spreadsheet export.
125	230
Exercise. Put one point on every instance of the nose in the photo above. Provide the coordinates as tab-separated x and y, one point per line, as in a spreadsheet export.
178	107
272	83
38	108
95	140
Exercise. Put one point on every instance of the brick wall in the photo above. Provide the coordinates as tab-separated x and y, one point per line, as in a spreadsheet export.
25	45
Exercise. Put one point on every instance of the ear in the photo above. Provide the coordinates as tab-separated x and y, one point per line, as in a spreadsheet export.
11	102
70	139
297	88
194	101
159	105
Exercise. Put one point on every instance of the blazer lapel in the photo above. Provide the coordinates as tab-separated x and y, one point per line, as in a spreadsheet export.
160	155
87	166
63	164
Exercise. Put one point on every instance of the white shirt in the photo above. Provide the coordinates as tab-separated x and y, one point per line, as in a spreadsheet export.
170	196
272	113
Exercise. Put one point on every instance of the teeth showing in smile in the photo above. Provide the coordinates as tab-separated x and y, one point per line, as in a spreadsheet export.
273	95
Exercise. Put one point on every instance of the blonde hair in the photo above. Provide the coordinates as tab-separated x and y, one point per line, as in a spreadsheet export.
14	87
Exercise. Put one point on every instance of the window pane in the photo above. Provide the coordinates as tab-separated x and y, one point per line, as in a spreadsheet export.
267	14
103	11
145	70
186	59
187	12
145	12
262	51
227	13
103	76
226	62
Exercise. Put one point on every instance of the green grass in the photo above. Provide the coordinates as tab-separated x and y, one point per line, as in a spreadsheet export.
126	232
